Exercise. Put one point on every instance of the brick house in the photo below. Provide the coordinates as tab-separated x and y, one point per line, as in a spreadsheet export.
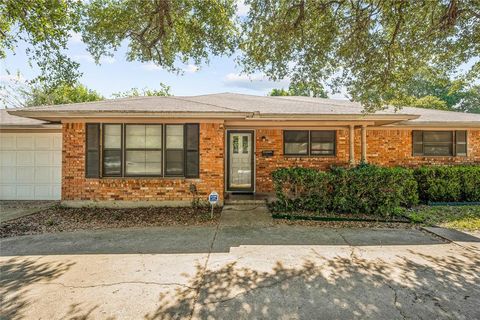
166	150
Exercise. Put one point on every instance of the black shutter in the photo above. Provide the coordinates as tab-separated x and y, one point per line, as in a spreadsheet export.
192	155
417	137
461	143
92	161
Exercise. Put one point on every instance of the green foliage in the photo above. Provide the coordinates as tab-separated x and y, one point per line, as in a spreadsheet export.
448	183
160	31
373	48
437	91
164	91
301	89
364	189
45	27
62	94
457	217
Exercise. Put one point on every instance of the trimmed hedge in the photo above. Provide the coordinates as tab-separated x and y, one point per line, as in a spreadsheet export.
371	189
364	189
448	184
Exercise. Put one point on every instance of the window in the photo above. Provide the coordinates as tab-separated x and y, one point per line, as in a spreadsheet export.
143	150
439	143
112	150
322	143
192	155
174	151
315	143
92	162
295	142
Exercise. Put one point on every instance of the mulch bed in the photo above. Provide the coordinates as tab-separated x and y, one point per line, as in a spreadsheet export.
58	219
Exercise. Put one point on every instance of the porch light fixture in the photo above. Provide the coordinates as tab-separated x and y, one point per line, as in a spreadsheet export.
264	139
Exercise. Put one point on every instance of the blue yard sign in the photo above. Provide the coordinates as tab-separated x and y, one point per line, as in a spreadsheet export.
213	199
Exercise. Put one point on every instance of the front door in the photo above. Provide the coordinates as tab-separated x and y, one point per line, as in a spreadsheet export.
240	161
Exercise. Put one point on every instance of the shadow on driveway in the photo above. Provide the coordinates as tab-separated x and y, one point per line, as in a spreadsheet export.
200	239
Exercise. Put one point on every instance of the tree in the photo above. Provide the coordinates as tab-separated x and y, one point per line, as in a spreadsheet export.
373	48
164	91
470	101
438	91
300	89
62	94
45	27
161	31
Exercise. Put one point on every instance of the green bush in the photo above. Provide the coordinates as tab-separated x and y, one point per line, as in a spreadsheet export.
364	189
448	183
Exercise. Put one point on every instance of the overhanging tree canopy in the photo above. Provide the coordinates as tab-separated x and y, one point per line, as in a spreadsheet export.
373	48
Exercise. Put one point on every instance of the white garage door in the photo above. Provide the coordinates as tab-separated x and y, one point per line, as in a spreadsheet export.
30	166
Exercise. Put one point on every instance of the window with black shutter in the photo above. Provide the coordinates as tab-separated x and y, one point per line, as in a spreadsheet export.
92	162
192	156
143	150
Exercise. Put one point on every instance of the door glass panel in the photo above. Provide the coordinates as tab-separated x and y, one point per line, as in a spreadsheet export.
235	144
240	166
245	144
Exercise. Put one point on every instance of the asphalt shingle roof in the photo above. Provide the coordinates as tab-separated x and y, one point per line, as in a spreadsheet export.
243	104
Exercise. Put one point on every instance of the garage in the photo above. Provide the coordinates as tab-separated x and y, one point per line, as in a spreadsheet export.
30	159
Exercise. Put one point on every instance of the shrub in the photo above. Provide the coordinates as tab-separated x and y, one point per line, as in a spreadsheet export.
364	189
448	183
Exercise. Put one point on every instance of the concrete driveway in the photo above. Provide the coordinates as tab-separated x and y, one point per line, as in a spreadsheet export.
12	209
228	272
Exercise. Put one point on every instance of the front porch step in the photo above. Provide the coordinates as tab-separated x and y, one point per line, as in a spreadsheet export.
241	202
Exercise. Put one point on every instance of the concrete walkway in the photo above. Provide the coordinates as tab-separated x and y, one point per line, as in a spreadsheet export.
256	215
10	210
239	272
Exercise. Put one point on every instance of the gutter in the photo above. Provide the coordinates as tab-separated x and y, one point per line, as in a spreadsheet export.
56	115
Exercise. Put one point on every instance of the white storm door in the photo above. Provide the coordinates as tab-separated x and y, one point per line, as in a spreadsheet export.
240	166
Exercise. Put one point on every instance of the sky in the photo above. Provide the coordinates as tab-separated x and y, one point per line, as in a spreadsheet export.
115	74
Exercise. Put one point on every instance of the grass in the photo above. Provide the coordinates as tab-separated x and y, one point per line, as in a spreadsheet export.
455	217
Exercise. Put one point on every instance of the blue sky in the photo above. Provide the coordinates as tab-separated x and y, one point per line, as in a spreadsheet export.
115	74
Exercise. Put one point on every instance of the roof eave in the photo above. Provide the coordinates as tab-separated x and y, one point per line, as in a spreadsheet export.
366	117
57	115
445	124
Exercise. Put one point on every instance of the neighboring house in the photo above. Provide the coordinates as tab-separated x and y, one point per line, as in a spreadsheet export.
157	150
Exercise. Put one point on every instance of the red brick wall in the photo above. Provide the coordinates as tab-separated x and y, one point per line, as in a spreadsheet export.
274	141
385	148
76	187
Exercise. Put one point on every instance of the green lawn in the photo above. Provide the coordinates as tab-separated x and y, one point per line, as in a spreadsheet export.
455	217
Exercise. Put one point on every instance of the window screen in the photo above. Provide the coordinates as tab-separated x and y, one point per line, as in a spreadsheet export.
112	150
461	143
143	150
192	155
92	166
322	143
295	142
439	143
174	150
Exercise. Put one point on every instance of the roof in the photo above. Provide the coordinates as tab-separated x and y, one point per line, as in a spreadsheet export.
241	106
10	121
